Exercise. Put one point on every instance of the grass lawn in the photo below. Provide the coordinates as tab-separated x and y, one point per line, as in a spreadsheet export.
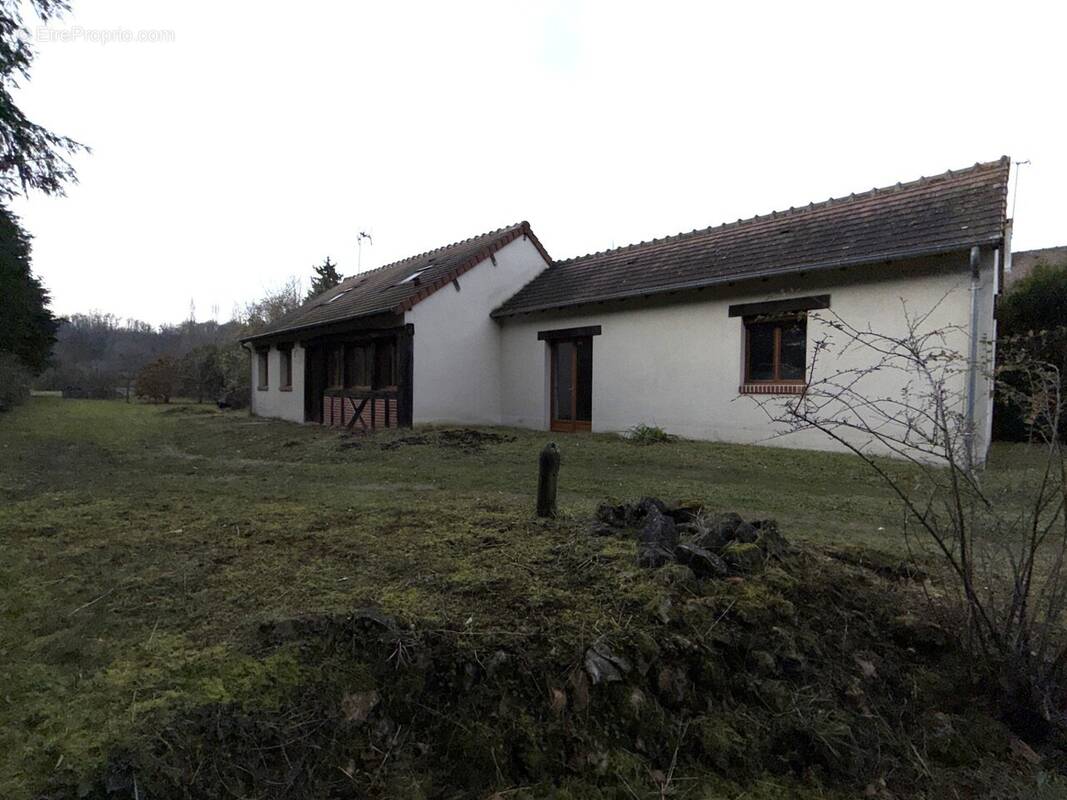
144	545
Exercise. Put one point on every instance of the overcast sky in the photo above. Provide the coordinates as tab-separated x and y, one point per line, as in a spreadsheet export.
259	137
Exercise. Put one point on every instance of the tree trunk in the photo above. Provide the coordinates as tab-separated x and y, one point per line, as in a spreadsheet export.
548	475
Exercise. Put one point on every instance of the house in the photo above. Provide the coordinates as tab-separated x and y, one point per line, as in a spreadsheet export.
1024	261
676	332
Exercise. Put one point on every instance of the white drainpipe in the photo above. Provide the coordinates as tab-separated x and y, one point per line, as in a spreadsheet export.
972	369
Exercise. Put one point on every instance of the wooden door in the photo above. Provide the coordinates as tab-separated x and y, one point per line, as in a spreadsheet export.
572	384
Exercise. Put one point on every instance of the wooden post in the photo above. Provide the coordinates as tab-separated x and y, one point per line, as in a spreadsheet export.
548	475
405	354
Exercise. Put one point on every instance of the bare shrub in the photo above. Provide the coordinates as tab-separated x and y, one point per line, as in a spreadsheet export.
1001	543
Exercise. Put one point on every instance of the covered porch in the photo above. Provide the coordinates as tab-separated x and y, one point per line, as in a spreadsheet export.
358	376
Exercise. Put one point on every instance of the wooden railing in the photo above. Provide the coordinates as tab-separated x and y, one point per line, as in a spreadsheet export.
365	410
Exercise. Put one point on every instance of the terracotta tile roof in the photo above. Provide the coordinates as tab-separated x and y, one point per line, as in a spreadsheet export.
395	288
948	212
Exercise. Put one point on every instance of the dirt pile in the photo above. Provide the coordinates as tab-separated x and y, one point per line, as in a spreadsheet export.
467	440
739	664
711	545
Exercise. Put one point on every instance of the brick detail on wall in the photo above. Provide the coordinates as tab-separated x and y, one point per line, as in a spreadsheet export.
379	412
772	388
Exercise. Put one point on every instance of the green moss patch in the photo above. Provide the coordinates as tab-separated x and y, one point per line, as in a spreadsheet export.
179	596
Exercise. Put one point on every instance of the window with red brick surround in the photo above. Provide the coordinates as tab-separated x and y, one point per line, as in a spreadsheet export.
775	354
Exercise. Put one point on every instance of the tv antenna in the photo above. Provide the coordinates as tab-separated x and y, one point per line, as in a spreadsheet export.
1015	193
359	248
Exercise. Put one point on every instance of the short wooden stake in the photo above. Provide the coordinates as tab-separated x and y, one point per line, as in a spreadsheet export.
547	478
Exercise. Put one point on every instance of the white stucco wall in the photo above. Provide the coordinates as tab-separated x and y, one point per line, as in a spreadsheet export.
273	401
457	356
677	362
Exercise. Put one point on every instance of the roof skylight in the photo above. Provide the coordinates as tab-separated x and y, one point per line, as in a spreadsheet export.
337	296
413	277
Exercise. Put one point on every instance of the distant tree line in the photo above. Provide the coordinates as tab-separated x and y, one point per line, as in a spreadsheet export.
101	356
97	354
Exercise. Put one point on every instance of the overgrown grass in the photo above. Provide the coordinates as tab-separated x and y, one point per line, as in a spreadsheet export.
143	545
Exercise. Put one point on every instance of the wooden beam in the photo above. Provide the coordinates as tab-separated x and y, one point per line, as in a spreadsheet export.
370	324
568	333
780	306
355	417
405	375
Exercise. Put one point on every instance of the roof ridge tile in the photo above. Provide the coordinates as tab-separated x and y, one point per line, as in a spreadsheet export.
928	216
380	290
426	253
813	206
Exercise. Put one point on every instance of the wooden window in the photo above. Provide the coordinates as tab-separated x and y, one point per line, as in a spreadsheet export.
357	366
262	379
286	358
335	367
776	350
363	365
385	364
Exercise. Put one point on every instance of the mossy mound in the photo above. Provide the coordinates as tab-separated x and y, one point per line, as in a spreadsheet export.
803	679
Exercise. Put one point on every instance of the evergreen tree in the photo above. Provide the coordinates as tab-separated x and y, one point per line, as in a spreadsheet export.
326	277
27	327
1038	302
31	158
1031	320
